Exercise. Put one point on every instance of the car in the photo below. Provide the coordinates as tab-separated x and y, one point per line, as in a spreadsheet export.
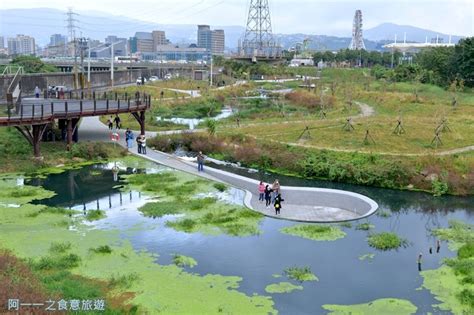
154	78
141	80
168	76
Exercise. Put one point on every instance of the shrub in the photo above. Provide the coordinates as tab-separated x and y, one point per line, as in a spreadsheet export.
439	188
386	241
304	98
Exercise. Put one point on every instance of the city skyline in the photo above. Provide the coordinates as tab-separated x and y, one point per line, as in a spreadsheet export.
326	17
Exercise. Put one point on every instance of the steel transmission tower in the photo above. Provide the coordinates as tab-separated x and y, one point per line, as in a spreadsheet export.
357	39
258	40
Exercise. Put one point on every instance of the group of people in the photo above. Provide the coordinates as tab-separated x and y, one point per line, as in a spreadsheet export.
116	120
141	141
271	195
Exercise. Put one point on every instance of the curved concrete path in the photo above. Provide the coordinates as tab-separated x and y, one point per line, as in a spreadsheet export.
301	203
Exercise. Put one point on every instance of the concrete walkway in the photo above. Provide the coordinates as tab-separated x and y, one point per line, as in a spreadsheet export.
301	203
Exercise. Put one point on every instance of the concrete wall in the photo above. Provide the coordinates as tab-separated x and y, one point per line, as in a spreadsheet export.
98	79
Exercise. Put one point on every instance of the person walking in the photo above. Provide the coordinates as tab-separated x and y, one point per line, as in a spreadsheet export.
277	204
200	160
139	144
37	92
268	196
276	189
61	94
110	123
261	190
129	136
143	144
117	122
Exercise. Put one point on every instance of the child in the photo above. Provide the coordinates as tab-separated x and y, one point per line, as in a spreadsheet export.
277	204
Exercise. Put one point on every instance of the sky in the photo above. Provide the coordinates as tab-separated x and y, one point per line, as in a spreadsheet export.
329	17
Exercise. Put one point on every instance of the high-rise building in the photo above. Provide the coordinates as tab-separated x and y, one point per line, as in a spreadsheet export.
2	42
204	37
159	39
211	40
57	40
218	42
120	45
144	42
21	45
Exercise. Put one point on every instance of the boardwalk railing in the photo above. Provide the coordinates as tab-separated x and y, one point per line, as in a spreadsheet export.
36	111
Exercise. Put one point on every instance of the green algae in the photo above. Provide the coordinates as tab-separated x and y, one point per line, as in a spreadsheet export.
315	232
446	286
282	287
177	195
300	274
21	194
158	288
457	234
347	225
381	306
276	276
384	213
386	241
184	261
453	283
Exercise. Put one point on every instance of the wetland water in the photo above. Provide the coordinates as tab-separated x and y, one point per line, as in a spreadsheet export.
343	277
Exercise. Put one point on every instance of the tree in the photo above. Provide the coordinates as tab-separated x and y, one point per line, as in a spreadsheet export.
33	64
463	60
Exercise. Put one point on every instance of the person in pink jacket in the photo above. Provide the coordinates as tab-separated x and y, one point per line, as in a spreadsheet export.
261	190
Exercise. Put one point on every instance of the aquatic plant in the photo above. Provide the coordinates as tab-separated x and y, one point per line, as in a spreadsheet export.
346	225
300	274
365	226
58	262
58	247
53	210
380	306
123	281
94	215
200	203
220	187
184	261
457	234
159	209
315	232
466	251
282	287
384	213
386	241
103	249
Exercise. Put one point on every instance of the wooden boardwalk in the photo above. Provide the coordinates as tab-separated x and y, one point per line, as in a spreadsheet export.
32	116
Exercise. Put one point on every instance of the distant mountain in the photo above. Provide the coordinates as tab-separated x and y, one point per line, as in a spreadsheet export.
323	42
41	23
387	31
